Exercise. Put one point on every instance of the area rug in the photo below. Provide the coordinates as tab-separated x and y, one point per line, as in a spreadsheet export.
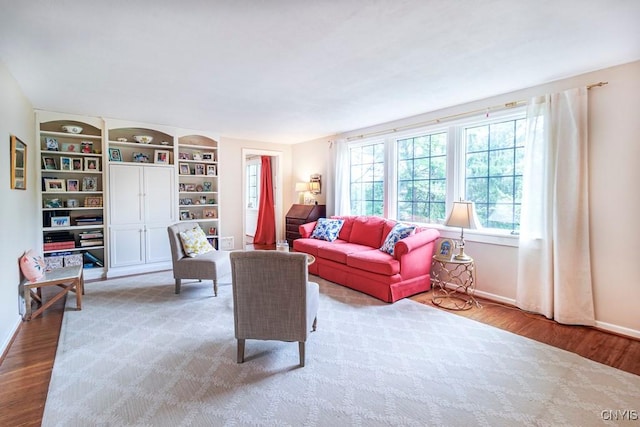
139	355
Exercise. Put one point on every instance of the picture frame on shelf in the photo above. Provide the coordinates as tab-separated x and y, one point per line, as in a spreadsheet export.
445	249
213	231
196	155
139	157
184	169
89	183
86	147
70	147
49	163
209	213
53	203
184	215
92	164
199	168
212	170
206	186
161	157
181	187
208	157
18	164
51	144
189	187
76	163
115	155
55	185
65	164
60	221
184	156
93	202
73	185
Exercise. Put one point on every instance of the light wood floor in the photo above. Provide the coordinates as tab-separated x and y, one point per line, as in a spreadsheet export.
26	367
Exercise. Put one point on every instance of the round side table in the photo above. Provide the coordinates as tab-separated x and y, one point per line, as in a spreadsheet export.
453	282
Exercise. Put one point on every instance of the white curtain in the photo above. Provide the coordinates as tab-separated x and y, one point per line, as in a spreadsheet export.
554	265
340	150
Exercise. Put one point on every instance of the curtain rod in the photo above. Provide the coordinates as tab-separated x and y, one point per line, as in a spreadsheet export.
486	110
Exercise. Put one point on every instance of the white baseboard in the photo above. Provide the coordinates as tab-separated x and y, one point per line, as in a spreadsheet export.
619	330
604	326
496	298
138	269
7	340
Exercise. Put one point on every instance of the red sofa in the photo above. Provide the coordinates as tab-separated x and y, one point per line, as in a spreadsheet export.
355	260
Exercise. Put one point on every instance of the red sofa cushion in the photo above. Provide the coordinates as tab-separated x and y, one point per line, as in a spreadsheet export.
374	261
311	246
339	253
367	230
345	231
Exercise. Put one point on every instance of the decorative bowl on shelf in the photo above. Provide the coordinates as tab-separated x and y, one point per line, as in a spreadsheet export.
143	139
71	128
164	142
121	139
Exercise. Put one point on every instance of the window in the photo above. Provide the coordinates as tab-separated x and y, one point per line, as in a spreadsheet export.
253	191
417	176
493	168
421	178
366	179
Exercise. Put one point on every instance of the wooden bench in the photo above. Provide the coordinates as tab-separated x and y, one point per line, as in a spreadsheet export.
67	278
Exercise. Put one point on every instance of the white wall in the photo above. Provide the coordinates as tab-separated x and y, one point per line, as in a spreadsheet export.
18	208
614	128
231	178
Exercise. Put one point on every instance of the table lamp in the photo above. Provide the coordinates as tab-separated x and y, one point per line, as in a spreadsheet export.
301	187
463	215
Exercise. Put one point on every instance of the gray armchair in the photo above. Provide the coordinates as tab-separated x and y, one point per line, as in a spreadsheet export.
209	266
272	298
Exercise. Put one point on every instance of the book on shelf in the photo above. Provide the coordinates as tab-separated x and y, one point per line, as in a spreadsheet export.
91	242
92	234
58	236
93	220
54	246
91	259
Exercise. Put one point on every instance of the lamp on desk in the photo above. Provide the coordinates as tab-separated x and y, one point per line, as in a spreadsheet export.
301	188
463	215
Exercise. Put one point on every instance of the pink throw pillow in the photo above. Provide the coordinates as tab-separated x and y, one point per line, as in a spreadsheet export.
32	265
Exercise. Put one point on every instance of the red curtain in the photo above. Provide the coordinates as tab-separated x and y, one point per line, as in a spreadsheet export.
266	228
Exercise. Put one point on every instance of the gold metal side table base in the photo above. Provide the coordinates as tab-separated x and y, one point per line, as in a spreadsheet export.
453	284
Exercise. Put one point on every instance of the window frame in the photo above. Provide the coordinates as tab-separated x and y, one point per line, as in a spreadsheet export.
455	170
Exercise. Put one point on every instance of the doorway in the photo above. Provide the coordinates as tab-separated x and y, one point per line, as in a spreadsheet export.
251	159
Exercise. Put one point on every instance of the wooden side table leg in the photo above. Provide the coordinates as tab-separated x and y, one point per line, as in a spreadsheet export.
27	302
79	285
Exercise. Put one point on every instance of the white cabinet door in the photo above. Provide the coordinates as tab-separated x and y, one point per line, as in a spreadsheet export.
159	203
125	195
126	245
158	248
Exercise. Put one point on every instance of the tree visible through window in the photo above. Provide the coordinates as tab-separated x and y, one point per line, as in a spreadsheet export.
367	179
494	162
422	178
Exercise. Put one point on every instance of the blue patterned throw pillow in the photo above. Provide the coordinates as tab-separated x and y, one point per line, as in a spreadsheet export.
398	232
327	229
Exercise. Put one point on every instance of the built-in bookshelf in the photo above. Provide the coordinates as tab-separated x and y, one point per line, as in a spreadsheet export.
71	173
197	161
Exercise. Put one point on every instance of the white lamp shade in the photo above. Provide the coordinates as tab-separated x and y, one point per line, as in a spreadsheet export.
463	214
302	186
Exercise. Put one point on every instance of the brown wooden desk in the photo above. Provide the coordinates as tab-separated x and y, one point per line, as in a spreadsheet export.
68	278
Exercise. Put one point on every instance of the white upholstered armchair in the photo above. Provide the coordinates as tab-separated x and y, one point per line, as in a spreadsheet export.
209	266
272	298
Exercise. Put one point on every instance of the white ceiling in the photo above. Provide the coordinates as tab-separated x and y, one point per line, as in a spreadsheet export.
292	70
